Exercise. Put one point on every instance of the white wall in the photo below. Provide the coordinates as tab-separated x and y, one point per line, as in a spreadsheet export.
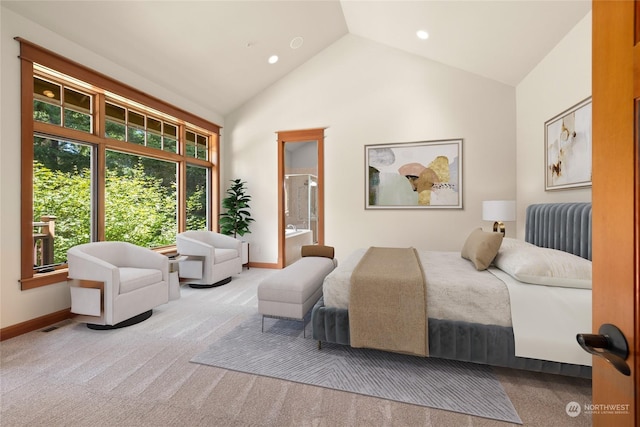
367	93
17	306
559	81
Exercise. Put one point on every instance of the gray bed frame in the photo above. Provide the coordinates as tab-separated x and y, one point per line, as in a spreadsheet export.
563	226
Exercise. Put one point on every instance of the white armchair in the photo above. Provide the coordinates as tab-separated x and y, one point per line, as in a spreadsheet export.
116	284
220	257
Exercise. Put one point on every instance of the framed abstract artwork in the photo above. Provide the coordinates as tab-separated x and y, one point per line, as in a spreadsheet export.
568	148
414	175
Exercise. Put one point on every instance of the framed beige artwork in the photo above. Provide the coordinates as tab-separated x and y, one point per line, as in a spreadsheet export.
568	148
414	175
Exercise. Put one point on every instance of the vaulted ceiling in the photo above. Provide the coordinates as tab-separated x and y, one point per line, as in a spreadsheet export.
215	53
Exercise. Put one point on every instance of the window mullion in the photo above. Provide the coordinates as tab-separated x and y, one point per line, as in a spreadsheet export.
98	193
214	182
182	195
127	147
99	116
64	133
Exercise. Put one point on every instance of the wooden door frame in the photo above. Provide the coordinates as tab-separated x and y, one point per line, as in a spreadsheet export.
616	229
303	135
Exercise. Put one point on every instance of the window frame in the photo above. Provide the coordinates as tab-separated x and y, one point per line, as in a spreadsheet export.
31	54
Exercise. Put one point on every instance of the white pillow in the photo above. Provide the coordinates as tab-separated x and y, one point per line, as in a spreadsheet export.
542	266
510	243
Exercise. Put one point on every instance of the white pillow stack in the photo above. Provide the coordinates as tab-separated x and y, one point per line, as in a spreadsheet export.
542	266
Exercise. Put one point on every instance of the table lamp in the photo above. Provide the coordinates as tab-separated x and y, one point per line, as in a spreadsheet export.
499	211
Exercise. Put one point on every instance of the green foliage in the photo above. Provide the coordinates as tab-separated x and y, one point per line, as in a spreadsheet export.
197	198
47	113
60	155
139	208
50	113
115	130
76	120
197	209
140	203
237	218
66	195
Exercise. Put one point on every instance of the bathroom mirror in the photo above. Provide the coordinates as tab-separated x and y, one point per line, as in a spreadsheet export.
300	192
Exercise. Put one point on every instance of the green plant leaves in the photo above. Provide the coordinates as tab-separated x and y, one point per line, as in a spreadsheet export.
237	218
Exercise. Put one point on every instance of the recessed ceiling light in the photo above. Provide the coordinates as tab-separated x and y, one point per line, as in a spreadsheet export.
48	93
422	34
273	59
296	42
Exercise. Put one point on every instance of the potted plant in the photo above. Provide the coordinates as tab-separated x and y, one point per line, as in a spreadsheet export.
237	218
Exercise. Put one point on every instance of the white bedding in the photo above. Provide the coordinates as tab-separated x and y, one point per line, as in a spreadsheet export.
546	320
453	282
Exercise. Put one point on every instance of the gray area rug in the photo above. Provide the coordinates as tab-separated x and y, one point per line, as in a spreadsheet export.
282	352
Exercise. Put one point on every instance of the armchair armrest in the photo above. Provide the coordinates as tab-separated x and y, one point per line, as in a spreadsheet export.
144	258
83	266
188	246
226	242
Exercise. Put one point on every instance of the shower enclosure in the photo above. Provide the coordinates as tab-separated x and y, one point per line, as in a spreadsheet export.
301	204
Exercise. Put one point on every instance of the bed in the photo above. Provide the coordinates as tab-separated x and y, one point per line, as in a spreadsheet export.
492	330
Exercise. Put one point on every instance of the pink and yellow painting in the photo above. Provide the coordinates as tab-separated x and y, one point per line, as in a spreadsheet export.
414	175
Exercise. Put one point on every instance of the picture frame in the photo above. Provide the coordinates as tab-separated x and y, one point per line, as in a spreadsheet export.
568	143
414	175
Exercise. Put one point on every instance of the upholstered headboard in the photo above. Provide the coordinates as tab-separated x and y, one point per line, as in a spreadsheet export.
563	226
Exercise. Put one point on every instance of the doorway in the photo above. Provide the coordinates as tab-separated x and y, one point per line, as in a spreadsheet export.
300	192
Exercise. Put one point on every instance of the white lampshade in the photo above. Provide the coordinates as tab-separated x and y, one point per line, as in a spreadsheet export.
499	210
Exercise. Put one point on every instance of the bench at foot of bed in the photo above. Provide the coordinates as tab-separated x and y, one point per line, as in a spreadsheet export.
291	292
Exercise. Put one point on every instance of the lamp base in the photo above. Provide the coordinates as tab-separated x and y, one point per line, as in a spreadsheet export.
498	226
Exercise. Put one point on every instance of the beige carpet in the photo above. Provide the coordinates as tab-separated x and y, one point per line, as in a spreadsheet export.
141	376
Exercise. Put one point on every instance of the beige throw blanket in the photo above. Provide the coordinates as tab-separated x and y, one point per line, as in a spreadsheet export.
388	302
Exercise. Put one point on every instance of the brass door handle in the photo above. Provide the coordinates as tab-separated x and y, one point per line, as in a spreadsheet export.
610	344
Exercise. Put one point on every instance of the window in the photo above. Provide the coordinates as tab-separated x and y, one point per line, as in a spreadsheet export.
103	161
61	105
125	124
140	200
62	180
197	199
197	146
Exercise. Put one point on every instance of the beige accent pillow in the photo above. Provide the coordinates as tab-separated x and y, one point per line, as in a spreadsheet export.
543	266
481	248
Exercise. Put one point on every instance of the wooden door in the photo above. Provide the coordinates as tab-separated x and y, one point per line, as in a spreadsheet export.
299	136
616	93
